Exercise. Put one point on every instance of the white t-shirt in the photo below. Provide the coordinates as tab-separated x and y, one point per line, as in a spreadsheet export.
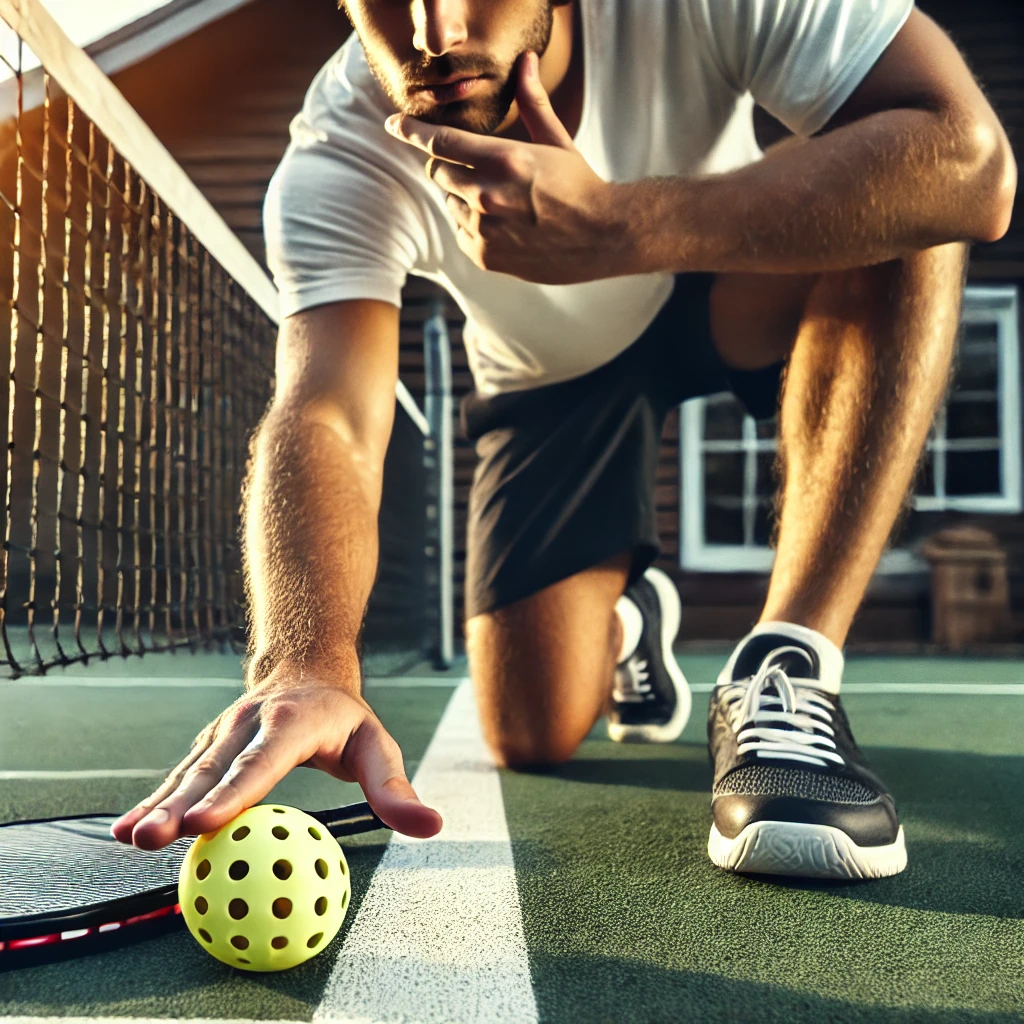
670	87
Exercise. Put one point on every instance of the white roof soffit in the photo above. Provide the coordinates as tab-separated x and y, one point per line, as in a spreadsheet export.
156	31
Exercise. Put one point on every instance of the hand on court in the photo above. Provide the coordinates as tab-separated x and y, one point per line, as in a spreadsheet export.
287	720
535	210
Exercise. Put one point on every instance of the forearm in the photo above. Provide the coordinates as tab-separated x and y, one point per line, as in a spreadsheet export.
311	544
896	182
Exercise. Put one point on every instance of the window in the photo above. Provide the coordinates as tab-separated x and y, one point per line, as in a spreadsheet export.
972	462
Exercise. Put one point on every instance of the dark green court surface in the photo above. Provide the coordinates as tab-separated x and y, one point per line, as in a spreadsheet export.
624	917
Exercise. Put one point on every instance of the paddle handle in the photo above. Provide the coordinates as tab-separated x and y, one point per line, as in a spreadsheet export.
350	820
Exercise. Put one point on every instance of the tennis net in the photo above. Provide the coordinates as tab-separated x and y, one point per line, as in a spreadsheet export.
137	344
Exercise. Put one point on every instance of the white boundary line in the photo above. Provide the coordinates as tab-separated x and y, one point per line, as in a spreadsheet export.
979	689
91	682
20	1019
925	689
439	935
84	773
881	689
212	682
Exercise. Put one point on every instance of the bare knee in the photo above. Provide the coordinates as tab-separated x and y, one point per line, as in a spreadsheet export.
542	667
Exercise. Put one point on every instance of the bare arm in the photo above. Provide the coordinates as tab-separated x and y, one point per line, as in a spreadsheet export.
314	489
914	159
311	507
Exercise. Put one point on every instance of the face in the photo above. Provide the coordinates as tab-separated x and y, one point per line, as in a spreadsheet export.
423	42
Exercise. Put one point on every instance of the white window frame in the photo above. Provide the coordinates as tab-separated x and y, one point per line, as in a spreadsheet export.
982	304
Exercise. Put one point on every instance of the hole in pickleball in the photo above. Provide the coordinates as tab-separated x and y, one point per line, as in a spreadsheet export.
201	905
279	942
344	868
320	906
280	832
239	942
238	870
203	870
314	939
281	907
240	833
321	868
238	909
279	810
344	900
282	869
242	960
313	832
205	934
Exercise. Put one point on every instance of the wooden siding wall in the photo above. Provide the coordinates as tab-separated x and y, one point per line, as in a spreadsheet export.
222	102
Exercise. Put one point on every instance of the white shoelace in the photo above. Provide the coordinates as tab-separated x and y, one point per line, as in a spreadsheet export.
631	683
806	716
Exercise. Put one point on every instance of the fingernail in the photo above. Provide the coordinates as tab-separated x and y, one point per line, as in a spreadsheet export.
391	123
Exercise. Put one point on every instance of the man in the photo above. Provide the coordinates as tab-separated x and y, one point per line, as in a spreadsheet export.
607	223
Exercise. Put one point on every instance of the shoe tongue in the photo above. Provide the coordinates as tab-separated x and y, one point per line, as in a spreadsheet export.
798	665
824	662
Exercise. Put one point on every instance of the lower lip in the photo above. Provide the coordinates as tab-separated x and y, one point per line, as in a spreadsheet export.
455	91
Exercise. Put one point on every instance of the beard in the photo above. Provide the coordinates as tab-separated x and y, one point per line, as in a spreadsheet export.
485	111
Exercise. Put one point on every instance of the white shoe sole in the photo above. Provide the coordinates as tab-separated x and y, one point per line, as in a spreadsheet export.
672	610
809	851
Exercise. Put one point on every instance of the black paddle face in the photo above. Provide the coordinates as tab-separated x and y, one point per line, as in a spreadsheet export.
67	884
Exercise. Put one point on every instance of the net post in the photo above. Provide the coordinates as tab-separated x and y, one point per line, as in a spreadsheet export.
440	483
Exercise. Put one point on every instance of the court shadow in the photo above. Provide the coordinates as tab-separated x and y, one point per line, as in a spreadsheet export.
595	990
689	772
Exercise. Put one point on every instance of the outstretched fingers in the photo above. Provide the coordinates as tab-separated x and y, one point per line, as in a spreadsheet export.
375	759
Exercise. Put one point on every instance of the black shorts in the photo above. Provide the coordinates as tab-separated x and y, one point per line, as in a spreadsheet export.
565	478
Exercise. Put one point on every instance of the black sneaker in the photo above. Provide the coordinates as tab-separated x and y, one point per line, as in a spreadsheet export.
792	794
650	697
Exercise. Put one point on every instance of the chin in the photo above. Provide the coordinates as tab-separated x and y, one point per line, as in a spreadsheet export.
463	115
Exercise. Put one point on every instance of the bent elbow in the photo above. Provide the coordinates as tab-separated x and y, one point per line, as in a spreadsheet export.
1002	205
997	183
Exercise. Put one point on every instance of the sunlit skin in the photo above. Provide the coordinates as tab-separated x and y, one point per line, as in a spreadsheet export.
424	42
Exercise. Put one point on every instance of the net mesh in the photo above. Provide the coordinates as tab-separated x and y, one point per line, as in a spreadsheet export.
135	369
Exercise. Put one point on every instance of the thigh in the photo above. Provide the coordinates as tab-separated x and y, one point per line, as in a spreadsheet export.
542	667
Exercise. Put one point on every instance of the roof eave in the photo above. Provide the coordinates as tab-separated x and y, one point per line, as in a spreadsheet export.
156	31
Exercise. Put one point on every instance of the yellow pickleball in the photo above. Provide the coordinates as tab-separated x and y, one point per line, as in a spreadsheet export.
267	891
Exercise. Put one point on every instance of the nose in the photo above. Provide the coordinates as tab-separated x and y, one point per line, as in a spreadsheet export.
439	25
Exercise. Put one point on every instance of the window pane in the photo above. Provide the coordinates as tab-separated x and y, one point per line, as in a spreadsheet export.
723	474
767	429
977	370
766	485
973	473
925	481
722	525
983	331
972	419
723	420
763	521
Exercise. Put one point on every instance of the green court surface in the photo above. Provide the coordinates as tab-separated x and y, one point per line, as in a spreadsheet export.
612	911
